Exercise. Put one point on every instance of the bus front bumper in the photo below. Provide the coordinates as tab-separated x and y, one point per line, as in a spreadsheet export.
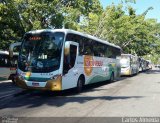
125	72
51	85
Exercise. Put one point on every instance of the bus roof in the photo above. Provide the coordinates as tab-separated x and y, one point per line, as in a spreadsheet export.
74	32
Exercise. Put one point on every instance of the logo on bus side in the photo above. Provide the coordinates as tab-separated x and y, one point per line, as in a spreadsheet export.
88	65
27	75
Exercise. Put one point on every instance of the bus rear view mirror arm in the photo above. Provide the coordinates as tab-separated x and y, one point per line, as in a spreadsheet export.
12	46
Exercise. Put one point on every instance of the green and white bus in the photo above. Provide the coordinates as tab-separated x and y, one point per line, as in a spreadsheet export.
129	64
59	59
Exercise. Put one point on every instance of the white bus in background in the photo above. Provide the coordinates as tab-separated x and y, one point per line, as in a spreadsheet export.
142	64
13	66
129	64
4	65
149	64
140	60
8	66
59	59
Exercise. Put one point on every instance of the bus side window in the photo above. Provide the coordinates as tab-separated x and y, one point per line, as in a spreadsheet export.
73	53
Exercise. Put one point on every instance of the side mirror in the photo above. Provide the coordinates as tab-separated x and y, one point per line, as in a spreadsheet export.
12	46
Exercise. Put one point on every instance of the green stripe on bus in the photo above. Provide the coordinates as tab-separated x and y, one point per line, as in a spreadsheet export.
98	78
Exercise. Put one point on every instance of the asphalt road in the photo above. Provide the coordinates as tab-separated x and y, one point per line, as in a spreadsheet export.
129	97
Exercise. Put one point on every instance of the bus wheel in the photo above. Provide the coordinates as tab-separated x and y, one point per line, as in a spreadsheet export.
79	85
111	78
131	73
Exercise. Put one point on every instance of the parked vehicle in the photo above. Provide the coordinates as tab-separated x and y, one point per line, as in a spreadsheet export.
129	64
62	59
4	65
8	66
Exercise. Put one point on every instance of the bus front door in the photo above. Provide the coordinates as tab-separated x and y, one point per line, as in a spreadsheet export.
70	71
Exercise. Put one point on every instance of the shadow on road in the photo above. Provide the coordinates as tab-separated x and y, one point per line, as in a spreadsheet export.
32	99
6	85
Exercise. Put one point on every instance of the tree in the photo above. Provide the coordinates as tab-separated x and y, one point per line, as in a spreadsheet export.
20	16
133	33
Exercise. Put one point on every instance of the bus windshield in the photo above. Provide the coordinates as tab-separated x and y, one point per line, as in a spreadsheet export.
41	52
125	62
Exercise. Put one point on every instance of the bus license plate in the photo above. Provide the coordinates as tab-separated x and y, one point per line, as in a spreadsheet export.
35	84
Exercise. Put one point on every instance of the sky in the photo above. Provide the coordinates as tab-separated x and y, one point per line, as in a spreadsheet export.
140	7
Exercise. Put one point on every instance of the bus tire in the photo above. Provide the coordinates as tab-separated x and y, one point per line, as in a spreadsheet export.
80	85
111	77
132	73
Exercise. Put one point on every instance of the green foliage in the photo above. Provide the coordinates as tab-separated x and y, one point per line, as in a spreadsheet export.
133	33
20	16
117	24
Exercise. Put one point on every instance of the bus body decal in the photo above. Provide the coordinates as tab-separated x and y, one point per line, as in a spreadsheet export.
27	75
88	65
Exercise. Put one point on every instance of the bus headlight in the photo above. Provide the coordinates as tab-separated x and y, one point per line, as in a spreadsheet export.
55	84
55	76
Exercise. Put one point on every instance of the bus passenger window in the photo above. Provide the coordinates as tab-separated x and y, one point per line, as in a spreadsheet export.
73	53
